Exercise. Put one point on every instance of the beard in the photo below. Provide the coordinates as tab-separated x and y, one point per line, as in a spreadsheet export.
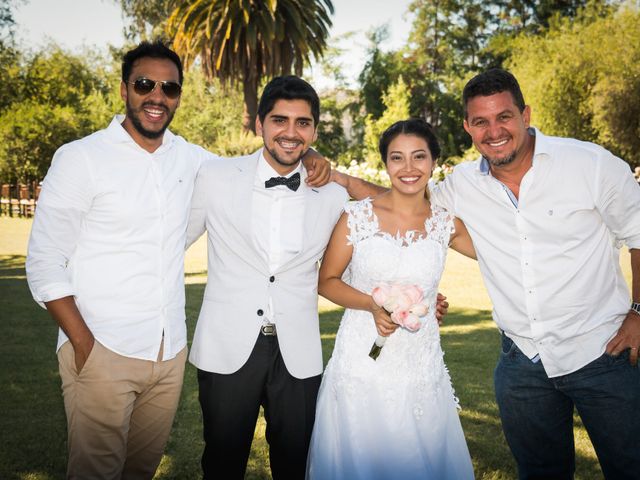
501	162
137	124
282	162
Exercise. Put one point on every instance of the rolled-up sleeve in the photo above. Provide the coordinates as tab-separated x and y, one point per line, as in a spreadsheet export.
62	206
618	199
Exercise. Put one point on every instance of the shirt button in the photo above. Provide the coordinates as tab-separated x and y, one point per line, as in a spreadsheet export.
272	279
260	312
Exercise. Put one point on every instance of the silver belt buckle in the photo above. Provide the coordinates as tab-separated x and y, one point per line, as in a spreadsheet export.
268	329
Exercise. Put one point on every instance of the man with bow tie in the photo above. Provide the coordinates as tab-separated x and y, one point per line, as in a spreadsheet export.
257	340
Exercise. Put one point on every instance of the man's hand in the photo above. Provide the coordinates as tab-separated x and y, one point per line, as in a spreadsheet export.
384	325
627	337
82	350
66	314
442	308
318	168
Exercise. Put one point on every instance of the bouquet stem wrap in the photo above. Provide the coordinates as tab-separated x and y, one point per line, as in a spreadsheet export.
376	348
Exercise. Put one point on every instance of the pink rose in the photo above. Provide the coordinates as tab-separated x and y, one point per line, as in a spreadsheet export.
414	293
380	295
406	319
412	322
404	301
399	316
391	303
396	290
419	309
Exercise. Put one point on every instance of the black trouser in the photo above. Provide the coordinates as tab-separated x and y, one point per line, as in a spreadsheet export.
230	406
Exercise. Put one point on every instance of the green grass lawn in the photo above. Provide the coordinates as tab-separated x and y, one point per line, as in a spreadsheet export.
32	422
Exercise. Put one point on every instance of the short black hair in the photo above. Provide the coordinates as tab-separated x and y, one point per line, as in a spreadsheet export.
495	80
412	126
146	49
288	87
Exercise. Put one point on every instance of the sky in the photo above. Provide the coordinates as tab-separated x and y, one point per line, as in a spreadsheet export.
77	23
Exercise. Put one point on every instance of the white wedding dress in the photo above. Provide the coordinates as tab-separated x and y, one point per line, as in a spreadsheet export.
395	417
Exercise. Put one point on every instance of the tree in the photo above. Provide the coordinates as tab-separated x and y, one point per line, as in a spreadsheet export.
211	116
396	101
380	71
51	97
242	42
148	18
582	78
11	73
7	22
55	76
30	133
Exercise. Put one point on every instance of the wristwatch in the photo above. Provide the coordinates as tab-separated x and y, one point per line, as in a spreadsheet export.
635	306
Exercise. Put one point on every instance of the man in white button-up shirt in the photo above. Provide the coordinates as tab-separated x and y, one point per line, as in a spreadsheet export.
547	217
106	257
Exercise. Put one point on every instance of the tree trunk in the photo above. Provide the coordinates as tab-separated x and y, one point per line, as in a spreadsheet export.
250	92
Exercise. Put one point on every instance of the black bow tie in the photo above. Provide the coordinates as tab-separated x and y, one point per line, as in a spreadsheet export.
293	182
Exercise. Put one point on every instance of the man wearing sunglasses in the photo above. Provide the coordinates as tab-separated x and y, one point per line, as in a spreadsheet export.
106	258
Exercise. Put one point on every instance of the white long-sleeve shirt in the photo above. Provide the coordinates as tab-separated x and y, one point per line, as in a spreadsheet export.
277	220
550	258
110	230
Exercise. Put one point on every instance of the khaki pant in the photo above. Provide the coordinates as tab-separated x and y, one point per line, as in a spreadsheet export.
119	412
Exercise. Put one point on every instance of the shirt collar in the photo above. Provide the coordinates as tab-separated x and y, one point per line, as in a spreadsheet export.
541	147
265	171
118	134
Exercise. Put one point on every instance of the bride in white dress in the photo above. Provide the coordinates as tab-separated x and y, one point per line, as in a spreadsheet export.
395	417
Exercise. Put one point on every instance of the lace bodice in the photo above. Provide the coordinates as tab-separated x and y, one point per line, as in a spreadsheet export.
416	258
379	257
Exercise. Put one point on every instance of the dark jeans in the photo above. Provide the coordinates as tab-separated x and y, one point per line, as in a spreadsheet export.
230	406
537	414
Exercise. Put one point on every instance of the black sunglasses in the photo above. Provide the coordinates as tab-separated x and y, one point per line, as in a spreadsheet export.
144	86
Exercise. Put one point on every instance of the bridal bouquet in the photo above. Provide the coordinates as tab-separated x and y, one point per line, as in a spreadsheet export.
404	304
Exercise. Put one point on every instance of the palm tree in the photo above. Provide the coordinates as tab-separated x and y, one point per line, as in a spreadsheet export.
242	41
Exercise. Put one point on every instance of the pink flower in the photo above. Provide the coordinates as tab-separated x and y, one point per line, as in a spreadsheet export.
399	316
412	322
380	294
405	301
414	293
419	309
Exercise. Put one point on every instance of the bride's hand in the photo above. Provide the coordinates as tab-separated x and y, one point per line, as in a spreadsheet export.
384	325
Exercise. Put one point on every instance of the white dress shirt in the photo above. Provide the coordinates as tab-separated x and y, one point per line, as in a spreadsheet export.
277	219
110	230
549	259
